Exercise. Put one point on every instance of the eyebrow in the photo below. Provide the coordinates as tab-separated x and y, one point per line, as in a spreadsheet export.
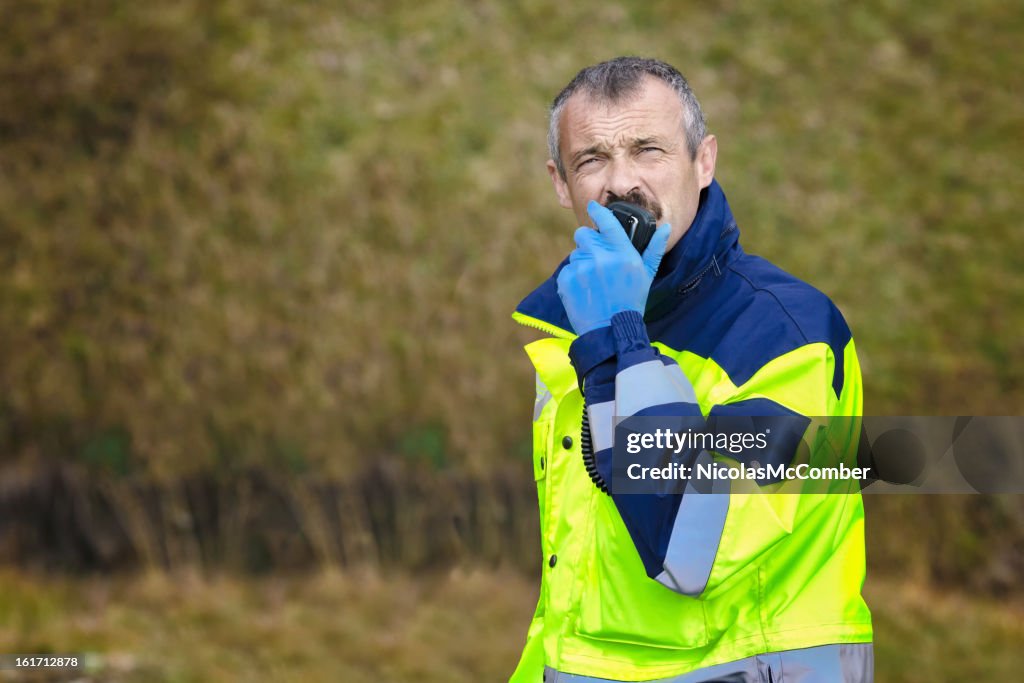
594	149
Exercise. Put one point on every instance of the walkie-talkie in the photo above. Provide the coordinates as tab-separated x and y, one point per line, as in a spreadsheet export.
638	223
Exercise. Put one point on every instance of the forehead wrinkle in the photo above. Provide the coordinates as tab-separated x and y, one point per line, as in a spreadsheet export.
608	125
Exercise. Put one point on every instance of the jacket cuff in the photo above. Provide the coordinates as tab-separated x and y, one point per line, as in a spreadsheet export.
590	350
629	332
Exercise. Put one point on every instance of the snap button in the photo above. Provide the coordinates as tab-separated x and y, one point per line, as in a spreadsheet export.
566	442
542	463
553	561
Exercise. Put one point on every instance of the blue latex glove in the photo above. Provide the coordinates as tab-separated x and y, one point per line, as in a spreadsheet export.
605	274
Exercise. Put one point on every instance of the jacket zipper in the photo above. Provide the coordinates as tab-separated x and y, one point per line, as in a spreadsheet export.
586	444
537	324
685	289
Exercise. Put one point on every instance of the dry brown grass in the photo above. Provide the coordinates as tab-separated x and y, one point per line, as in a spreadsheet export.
460	626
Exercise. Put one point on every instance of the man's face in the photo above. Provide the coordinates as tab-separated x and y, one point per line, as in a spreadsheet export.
635	150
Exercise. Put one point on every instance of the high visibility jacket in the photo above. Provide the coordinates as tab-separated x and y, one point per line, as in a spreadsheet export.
641	587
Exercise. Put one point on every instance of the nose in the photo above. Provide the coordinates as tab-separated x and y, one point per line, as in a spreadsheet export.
623	177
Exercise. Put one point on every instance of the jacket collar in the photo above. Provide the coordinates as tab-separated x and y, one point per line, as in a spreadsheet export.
706	246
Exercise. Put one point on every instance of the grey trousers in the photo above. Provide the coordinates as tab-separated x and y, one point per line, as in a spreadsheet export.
853	663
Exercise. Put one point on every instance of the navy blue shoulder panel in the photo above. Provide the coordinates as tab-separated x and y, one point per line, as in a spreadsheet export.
751	314
544	303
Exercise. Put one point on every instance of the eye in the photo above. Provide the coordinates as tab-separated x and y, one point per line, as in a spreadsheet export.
589	161
649	149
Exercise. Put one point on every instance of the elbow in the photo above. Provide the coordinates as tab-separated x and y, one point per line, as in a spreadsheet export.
689	581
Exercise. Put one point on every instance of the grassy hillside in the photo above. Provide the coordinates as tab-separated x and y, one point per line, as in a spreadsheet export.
466	626
293	233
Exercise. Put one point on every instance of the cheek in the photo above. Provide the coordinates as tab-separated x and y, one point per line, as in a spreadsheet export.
587	187
582	192
681	187
677	178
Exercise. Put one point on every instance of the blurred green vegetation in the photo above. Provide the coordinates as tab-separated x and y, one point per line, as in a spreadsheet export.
463	626
293	233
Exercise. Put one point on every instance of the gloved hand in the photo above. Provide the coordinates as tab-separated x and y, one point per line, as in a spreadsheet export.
605	274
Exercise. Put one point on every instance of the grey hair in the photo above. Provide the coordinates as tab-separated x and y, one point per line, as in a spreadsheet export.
617	78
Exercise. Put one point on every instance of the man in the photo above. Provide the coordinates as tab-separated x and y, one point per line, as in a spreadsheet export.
693	587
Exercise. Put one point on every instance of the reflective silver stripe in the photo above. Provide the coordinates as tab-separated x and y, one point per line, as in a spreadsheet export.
602	425
849	663
650	384
696	534
840	663
543	396
682	382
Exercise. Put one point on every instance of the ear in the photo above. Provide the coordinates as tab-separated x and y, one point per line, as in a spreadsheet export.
561	187
704	164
